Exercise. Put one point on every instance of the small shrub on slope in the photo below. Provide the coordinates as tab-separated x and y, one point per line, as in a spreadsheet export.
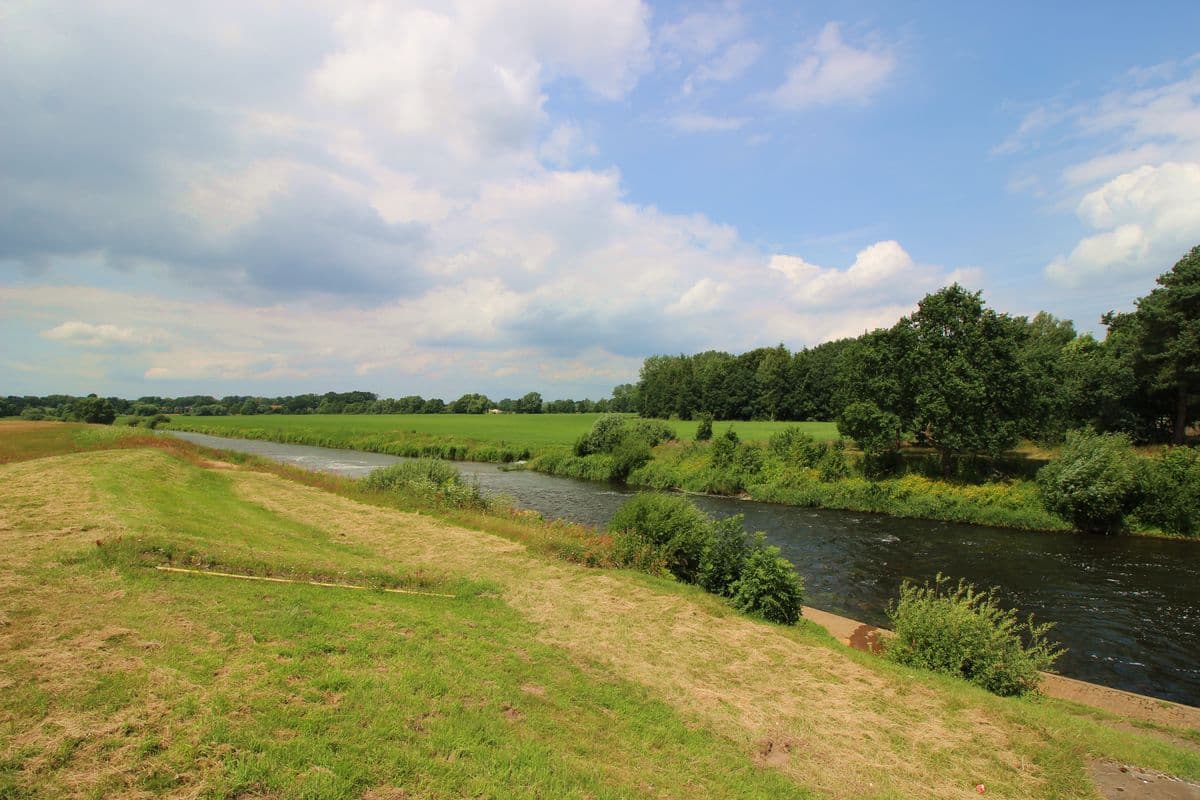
668	526
724	557
963	631
769	586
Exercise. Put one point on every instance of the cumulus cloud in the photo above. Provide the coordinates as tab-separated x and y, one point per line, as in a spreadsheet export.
832	71
86	334
1147	219
882	269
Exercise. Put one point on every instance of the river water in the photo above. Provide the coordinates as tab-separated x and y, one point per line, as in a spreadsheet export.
1127	608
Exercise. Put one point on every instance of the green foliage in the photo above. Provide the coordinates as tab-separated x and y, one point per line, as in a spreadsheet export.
94	410
704	430
724	557
1093	483
748	458
724	449
794	445
630	452
1170	486
963	631
667	525
652	431
874	430
833	466
768	586
429	479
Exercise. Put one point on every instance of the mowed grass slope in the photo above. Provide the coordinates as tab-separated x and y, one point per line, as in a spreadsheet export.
538	678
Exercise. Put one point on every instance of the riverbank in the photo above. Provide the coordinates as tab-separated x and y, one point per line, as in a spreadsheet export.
676	465
566	680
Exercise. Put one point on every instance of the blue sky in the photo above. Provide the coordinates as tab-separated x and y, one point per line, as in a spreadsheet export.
436	198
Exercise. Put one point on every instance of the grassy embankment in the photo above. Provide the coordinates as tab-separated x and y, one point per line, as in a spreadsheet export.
686	465
538	678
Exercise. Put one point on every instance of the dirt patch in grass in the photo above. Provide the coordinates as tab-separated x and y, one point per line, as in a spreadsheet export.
753	680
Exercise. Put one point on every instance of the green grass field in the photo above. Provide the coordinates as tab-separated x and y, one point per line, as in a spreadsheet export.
535	431
537	678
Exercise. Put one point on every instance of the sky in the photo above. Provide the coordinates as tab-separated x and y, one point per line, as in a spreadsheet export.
501	197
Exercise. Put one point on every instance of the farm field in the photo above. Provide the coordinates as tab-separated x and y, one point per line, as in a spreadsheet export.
510	433
534	678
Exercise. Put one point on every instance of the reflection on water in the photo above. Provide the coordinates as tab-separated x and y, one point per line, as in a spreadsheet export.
1127	608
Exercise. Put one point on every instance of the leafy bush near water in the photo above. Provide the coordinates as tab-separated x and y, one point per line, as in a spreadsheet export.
428	479
1170	489
668	530
1094	481
961	630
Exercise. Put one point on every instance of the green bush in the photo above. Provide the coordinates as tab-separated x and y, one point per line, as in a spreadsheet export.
768	586
704	429
652	431
629	453
724	557
426	479
794	445
667	526
1170	486
724	449
833	466
963	631
1093	483
748	458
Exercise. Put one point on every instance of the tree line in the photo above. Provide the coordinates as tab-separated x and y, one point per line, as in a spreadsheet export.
961	377
105	409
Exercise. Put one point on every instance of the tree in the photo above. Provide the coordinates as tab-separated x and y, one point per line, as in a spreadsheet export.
93	409
1169	343
470	404
529	404
877	432
968	392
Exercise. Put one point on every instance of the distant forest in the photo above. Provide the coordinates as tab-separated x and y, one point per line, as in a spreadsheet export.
69	407
967	373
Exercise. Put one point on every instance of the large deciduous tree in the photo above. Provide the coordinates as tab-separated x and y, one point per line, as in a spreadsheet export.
1168	351
961	367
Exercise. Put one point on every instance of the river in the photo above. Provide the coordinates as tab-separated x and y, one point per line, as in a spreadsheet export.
1126	608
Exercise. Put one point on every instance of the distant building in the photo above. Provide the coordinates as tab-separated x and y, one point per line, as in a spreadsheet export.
495	411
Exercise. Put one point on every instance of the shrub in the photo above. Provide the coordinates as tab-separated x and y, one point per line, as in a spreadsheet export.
426	479
652	431
704	429
629	453
1170	486
832	465
748	459
724	449
606	432
768	586
793	444
724	557
963	631
669	527
1093	483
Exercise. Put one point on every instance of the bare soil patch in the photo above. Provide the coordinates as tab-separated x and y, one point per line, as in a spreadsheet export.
1120	782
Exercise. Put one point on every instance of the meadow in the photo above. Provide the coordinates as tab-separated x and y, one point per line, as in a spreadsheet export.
475	437
534	678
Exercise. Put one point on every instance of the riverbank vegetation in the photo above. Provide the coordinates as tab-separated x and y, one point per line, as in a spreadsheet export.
554	677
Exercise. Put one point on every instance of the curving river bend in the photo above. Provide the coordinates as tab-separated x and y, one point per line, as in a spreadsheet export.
1127	608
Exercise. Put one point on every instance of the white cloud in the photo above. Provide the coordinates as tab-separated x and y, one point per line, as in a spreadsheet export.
831	71
1147	218
879	270
703	123
86	334
731	63
705	295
